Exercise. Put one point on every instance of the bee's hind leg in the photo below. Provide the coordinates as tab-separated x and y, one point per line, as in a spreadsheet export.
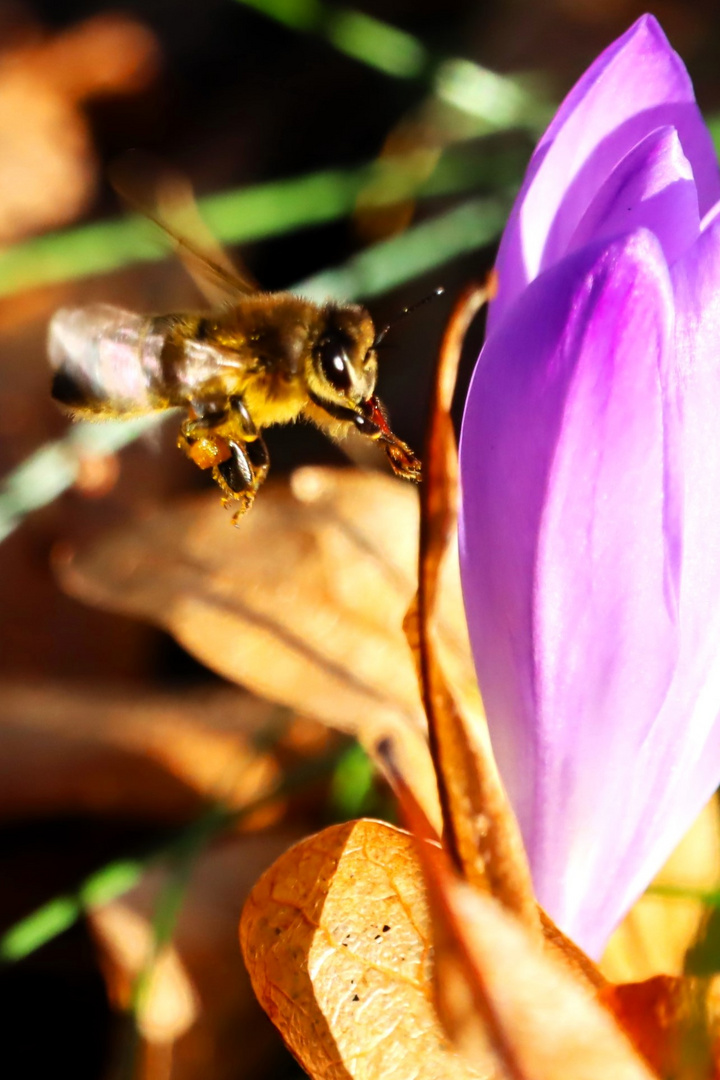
240	475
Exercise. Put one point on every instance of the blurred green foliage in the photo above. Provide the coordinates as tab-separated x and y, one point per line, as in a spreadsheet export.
353	784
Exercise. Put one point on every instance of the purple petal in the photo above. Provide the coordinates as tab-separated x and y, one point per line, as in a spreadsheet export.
652	187
571	558
636	86
680	759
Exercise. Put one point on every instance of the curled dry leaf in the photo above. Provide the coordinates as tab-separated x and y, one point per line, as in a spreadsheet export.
66	748
48	168
303	604
543	1023
480	829
336	937
674	1023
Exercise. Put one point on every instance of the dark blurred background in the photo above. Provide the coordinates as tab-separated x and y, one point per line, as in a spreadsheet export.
232	98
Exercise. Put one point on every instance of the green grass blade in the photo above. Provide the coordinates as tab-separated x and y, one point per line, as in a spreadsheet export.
415	252
497	101
242	215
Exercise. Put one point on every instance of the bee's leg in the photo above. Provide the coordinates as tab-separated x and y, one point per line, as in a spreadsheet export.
240	476
248	465
221	434
199	435
203	422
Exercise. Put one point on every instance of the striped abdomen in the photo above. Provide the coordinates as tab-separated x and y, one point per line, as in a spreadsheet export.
105	358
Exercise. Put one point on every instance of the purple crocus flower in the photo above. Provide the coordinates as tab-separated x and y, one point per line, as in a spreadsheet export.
590	473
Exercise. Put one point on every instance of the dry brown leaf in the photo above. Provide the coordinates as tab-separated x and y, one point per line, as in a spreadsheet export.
336	938
303	604
502	996
124	940
674	1023
338	942
480	829
657	932
48	168
543	1023
65	748
199	1005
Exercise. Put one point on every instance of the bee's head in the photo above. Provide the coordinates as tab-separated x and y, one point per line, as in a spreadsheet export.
342	366
341	375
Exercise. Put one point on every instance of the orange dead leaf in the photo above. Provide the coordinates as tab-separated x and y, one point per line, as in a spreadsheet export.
48	168
336	938
198	1006
674	1023
303	604
124	941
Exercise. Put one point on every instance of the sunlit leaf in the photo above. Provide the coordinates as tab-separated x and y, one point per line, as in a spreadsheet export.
336	938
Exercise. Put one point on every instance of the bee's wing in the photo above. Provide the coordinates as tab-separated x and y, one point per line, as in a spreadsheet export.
167	200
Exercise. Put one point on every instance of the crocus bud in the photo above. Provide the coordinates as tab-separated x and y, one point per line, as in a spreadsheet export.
590	477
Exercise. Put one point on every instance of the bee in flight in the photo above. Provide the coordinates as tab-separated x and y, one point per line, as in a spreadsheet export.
253	360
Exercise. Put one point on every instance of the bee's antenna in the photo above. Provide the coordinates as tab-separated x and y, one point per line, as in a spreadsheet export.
407	311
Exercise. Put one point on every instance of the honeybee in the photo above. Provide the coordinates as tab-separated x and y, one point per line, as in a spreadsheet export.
253	360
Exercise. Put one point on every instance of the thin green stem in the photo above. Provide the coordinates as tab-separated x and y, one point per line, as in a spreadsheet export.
417	251
54	467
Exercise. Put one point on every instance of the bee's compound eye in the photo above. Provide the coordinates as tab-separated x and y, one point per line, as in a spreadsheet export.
334	363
